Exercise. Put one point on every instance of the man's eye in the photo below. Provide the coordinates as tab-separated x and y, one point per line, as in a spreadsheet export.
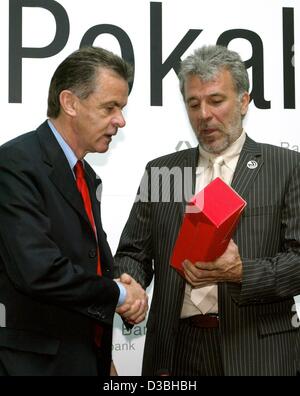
217	101
193	105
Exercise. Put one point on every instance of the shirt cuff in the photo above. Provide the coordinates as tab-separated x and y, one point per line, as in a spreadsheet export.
123	294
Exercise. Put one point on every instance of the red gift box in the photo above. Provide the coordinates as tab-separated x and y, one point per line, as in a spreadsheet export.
208	224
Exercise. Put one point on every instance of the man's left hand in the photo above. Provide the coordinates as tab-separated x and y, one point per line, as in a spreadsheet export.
226	268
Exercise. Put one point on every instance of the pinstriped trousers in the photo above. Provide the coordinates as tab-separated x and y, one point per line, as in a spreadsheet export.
197	352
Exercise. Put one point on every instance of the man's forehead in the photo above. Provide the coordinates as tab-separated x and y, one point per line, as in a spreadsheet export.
219	75
220	81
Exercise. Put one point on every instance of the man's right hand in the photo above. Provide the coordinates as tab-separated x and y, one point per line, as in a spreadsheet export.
135	306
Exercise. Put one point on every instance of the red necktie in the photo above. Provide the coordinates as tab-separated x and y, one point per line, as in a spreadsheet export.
84	191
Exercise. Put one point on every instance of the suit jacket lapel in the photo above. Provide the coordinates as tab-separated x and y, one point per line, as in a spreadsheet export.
248	166
188	169
94	185
247	169
59	169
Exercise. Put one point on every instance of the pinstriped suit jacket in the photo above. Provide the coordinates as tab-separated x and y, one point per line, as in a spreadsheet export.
256	317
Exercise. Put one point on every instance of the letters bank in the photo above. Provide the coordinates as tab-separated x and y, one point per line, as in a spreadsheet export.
159	69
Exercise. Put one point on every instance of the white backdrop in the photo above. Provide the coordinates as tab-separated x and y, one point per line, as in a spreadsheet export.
151	130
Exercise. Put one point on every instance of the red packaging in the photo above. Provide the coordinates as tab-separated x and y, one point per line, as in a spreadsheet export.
208	224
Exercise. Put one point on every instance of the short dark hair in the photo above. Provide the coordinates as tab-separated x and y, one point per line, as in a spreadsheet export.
78	73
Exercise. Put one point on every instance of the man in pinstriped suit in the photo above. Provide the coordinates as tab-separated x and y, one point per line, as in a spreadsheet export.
233	316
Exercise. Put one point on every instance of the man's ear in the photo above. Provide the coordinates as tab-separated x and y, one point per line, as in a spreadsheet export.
245	103
68	102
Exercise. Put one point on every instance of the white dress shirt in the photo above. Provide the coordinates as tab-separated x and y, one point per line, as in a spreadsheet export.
204	175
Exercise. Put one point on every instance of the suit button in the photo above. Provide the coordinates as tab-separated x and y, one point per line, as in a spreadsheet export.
92	253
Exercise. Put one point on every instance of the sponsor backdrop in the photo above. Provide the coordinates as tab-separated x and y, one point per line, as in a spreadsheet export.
36	35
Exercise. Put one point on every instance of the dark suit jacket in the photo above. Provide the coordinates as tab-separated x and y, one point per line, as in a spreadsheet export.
48	283
256	316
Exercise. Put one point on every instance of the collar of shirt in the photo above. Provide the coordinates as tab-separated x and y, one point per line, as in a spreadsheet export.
69	153
230	155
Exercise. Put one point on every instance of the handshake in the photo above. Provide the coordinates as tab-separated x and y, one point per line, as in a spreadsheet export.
135	307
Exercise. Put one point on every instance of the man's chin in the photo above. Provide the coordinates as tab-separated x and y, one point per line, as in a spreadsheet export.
104	148
215	147
100	149
103	145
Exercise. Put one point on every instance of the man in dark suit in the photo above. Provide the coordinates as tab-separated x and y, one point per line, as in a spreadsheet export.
57	291
236	315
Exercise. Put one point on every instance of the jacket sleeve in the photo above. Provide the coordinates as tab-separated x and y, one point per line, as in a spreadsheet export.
278	277
134	254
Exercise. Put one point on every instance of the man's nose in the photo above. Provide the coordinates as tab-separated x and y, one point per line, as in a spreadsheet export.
119	120
205	111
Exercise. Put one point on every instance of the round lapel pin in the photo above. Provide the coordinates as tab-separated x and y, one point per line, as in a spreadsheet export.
252	164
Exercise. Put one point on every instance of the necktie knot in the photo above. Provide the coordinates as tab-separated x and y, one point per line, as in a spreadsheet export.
79	170
217	167
218	160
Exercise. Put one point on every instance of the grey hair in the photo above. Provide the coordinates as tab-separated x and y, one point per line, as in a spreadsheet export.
206	62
